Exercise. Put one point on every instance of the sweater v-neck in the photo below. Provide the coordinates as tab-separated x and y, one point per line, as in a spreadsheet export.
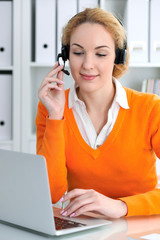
107	143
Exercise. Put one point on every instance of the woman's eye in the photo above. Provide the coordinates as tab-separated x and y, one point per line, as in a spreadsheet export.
101	54
78	53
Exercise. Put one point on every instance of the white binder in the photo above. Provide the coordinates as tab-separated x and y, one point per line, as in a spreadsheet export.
45	31
82	4
5	107
155	32
6	33
115	6
137	30
66	10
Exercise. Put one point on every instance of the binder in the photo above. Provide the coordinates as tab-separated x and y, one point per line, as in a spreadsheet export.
6	33
154	31
150	85
137	30
5	107
144	85
45	17
114	6
82	4
65	10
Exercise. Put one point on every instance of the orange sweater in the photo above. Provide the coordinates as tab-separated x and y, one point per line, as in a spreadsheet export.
124	167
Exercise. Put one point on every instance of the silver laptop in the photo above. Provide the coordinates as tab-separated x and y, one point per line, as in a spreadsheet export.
25	197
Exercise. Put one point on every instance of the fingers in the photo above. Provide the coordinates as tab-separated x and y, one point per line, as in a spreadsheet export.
83	201
50	77
55	70
86	208
57	82
51	86
78	206
60	78
43	92
51	80
78	211
72	194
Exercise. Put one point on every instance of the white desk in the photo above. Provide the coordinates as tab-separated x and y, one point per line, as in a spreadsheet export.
121	229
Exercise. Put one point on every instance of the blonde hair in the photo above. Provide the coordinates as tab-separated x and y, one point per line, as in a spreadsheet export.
112	25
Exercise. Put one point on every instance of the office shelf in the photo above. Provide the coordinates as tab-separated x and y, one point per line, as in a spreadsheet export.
15	71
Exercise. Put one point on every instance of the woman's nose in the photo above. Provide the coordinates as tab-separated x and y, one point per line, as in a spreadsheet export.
88	61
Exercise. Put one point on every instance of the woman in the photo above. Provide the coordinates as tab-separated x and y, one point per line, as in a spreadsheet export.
99	138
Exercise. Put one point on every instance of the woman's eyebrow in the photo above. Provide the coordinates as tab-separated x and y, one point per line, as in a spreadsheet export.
103	46
78	45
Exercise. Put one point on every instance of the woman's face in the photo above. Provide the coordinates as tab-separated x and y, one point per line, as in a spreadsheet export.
92	55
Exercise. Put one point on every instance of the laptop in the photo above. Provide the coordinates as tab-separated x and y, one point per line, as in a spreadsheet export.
25	198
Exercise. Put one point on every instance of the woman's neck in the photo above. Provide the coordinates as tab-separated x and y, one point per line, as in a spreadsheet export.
98	101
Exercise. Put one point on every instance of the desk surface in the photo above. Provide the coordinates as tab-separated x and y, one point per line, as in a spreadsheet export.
121	229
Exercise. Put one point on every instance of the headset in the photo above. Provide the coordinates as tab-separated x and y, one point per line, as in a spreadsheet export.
65	56
121	55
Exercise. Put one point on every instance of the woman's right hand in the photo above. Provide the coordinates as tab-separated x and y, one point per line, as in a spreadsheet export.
51	93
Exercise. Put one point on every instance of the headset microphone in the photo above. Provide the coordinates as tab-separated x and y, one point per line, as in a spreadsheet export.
65	56
66	72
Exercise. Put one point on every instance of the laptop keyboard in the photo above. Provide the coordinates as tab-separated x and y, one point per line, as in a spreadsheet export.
61	223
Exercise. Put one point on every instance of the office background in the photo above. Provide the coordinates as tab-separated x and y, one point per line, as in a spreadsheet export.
30	40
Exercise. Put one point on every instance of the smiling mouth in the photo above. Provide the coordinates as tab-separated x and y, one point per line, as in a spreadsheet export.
88	76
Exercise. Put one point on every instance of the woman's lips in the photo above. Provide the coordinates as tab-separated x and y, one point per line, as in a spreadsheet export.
88	76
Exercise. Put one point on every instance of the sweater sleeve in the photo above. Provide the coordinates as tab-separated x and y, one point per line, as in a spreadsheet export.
51	144
143	204
148	203
154	129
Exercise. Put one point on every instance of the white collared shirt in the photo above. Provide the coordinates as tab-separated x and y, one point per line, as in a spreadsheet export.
84	122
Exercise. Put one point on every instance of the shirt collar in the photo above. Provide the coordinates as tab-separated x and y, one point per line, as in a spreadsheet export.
120	96
73	96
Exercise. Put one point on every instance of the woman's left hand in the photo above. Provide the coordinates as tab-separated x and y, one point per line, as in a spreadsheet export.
92	201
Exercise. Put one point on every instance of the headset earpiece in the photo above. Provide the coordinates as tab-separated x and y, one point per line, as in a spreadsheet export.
65	52
121	55
65	56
